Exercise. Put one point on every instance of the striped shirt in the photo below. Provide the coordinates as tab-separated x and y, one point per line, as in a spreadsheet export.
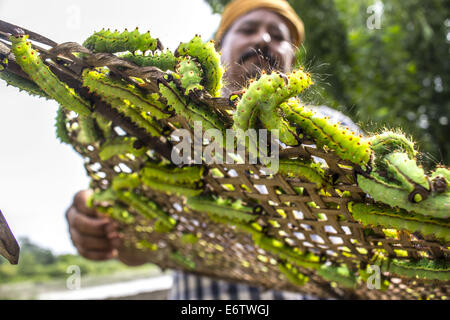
188	286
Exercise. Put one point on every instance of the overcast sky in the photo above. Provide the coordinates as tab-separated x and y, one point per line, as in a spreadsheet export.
38	175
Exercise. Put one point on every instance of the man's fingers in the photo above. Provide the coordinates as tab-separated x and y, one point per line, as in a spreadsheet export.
90	242
86	225
98	255
79	201
111	229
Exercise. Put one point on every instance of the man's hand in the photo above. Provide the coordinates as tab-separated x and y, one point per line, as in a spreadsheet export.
95	237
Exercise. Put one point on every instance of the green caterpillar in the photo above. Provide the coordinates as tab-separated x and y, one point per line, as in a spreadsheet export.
257	91
233	211
175	189
112	42
186	175
267	93
347	145
193	113
442	174
292	274
372	215
339	274
437	205
120	146
145	207
209	60
422	269
132	181
272	121
88	133
138	117
307	170
105	125
405	171
101	84
144	244
183	260
389	141
22	84
190	74
261	100
127	181
274	246
61	126
188	238
117	212
32	64
164	60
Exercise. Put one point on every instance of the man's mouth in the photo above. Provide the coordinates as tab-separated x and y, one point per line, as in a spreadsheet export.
260	58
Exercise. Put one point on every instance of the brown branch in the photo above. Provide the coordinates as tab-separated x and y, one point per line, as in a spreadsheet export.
7	27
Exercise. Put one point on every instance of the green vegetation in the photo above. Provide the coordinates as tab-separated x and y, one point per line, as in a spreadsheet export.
37	265
397	75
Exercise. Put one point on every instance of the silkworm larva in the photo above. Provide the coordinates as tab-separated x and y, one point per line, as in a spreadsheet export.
186	262
138	117
274	246
112	42
22	84
188	238
292	274
164	60
422	269
172	175
190	74
209	59
61	126
257	92
346	144
104	86
88	132
127	181
175	189
145	207
371	215
389	141
32	64
437	205
209	119
339	274
404	169
272	121
222	208
118	213
307	170
105	125
441	180
119	146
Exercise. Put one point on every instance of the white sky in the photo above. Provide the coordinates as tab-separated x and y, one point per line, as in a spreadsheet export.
38	175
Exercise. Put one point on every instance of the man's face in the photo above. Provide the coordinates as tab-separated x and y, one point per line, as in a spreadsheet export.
259	40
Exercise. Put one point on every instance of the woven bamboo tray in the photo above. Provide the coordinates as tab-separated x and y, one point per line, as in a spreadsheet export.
326	229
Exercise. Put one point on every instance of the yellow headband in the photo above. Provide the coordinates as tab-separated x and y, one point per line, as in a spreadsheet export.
238	8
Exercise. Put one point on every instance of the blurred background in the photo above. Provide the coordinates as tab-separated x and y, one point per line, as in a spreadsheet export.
383	63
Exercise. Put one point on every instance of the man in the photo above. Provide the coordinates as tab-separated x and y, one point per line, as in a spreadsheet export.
253	35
